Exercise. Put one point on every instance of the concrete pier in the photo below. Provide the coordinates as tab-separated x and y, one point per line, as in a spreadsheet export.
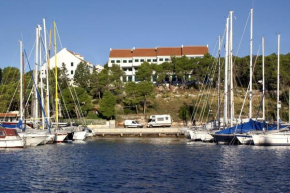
140	132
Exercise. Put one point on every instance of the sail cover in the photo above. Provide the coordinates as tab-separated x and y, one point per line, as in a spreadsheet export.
246	127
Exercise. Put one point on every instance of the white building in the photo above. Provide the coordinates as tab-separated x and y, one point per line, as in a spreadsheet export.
70	59
99	68
130	59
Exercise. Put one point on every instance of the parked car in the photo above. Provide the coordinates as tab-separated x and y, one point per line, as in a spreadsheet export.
132	123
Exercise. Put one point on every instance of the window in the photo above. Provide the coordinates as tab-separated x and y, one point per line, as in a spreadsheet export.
130	61
136	60
2	133
129	78
118	61
71	64
154	77
148	60
160	119
166	59
124	79
142	60
112	61
71	72
124	61
129	69
166	118
154	60
160	59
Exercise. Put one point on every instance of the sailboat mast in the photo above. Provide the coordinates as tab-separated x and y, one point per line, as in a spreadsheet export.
226	75
21	83
231	69
263	74
36	76
55	68
41	82
219	85
278	84
47	73
251	67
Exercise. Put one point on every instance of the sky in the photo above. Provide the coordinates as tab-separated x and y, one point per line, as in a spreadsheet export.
92	27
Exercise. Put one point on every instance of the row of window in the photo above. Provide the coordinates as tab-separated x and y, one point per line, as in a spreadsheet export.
141	60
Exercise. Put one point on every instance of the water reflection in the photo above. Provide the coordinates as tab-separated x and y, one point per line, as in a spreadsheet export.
145	165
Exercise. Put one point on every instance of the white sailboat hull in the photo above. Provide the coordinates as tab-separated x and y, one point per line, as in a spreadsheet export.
32	139
79	135
272	139
200	135
59	137
245	139
12	142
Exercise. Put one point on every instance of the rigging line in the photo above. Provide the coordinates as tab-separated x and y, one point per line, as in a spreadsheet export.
62	98
39	98
61	92
256	59
212	73
202	90
211	100
235	57
11	100
59	38
80	106
66	80
207	95
242	36
215	89
200	95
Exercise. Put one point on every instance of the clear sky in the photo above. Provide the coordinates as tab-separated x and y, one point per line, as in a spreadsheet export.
92	27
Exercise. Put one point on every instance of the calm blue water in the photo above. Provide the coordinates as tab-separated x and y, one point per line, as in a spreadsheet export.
145	165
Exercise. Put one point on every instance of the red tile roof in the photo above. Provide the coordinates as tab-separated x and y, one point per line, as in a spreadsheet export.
169	51
124	53
144	52
159	51
194	50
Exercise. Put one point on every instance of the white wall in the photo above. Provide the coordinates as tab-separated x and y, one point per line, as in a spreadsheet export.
71	61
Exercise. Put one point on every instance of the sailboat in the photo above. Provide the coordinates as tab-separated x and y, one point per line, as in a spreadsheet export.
9	138
279	137
32	137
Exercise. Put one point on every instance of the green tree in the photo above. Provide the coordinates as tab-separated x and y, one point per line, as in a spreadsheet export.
64	81
167	70
184	113
0	75
77	105
107	105
10	74
144	72
115	76
101	82
81	77
144	91
132	98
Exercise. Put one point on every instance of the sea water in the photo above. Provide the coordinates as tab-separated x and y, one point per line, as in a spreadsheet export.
145	165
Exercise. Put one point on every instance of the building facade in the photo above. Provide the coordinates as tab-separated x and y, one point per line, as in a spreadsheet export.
71	61
130	59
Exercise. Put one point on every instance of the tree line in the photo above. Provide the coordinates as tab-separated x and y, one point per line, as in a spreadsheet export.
105	89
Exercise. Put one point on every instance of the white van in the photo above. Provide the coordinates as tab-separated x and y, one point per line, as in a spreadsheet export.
132	123
159	121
